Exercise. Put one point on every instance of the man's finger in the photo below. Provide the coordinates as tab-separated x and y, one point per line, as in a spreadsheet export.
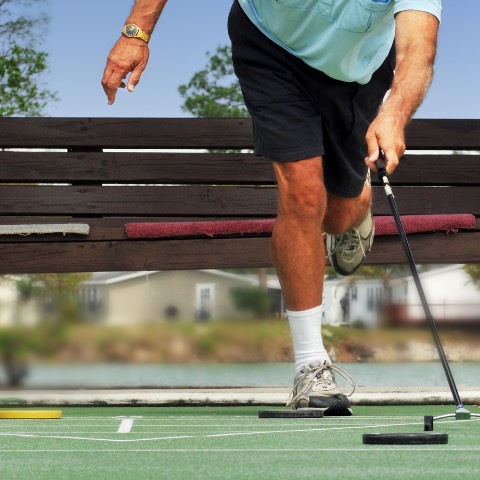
133	80
391	159
111	81
373	151
135	76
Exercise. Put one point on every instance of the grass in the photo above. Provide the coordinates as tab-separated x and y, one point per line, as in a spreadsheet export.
229	442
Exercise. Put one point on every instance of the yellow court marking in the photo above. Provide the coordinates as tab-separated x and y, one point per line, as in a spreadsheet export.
33	414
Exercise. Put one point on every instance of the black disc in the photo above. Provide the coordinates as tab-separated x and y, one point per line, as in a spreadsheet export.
428	423
405	438
300	413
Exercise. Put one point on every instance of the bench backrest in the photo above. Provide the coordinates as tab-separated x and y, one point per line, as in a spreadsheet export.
68	172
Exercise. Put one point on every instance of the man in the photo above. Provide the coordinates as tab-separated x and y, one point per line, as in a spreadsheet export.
314	74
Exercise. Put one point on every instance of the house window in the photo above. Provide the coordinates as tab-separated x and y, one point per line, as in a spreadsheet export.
379	298
205	301
354	293
93	299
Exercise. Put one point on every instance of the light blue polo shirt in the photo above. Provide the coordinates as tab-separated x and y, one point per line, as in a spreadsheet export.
346	39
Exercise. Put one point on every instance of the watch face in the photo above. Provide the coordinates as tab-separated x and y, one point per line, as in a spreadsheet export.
131	30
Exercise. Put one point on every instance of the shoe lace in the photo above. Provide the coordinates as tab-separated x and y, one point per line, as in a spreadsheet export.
317	375
349	243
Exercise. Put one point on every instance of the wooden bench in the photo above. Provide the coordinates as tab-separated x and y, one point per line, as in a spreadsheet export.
62	170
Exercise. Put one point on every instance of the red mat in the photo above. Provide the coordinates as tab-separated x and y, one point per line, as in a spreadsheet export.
383	226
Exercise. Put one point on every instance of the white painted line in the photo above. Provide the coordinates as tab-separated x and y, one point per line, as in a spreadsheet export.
364	449
289	431
126	425
214	435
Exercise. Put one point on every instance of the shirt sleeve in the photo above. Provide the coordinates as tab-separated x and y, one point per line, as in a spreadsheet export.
430	6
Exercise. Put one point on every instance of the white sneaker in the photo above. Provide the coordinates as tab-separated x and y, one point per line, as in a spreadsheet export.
315	387
348	251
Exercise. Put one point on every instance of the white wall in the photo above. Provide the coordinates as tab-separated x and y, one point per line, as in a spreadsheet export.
364	297
8	301
450	295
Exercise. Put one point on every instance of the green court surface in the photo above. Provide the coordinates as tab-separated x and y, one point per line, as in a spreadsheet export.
231	442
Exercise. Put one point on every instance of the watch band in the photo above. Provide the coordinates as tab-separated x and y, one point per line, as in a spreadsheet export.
144	36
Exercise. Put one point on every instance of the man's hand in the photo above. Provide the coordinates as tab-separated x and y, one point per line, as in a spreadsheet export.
415	46
128	56
386	132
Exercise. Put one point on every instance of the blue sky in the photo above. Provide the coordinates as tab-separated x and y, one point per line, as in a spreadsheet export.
81	34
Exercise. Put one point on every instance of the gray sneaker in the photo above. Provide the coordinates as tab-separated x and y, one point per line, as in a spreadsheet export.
315	387
348	251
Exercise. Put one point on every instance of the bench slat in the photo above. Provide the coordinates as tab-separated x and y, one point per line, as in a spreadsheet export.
209	201
138	167
443	134
428	200
210	253
196	133
202	168
142	201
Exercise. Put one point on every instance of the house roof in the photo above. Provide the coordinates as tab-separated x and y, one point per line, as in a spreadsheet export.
109	278
438	271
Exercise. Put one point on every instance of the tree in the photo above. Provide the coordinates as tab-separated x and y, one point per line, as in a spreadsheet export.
60	292
21	63
252	300
214	91
473	271
385	273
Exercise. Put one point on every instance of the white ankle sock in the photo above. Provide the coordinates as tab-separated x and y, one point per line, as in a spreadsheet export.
306	330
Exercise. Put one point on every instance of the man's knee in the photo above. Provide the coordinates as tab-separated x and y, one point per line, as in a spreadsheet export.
301	189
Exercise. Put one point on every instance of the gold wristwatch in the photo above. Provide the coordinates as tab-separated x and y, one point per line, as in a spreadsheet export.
133	31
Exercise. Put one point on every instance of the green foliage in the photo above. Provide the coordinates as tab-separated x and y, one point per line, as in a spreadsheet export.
214	91
385	272
359	324
25	288
251	299
473	271
249	271
59	290
19	92
22	64
60	285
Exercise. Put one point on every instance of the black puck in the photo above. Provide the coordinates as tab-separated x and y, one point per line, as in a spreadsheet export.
300	413
405	438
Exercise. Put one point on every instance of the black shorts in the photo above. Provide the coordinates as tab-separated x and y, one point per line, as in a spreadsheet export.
299	112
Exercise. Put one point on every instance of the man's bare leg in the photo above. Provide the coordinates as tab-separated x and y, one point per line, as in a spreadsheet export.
305	212
299	257
298	250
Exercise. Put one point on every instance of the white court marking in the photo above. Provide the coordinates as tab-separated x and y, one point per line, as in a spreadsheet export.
209	435
127	423
366	449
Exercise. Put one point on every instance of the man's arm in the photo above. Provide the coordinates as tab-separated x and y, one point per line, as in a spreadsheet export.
130	55
415	45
